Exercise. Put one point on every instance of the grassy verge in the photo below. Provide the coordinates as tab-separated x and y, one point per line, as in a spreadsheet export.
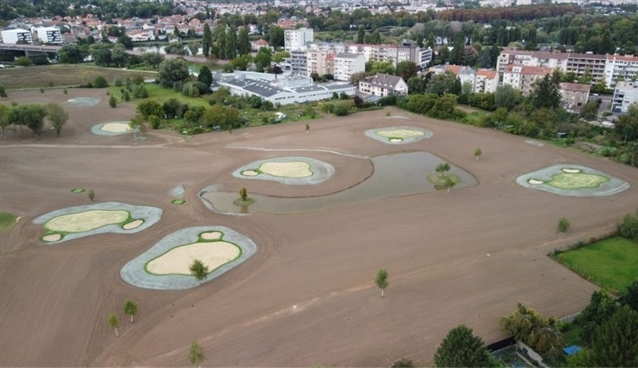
160	95
7	222
610	263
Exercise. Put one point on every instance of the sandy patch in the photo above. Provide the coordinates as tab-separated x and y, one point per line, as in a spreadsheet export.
294	169
52	237
211	235
116	127
85	221
535	182
249	173
178	260
396	140
571	171
133	224
400	133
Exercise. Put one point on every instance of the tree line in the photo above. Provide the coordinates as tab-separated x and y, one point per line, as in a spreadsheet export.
33	117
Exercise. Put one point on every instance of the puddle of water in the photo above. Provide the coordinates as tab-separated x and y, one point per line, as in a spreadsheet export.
394	175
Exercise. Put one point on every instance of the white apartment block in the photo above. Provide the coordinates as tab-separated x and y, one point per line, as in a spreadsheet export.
523	77
389	53
299	62
296	39
486	81
14	36
48	34
347	64
625	94
620	68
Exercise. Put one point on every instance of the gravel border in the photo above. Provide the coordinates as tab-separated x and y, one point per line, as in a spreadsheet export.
134	273
322	171
85	101
150	215
372	133
97	129
613	186
177	191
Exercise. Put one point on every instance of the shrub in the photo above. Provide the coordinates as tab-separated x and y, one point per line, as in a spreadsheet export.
91	194
563	225
41	90
138	80
118	82
3	93
126	96
65	91
155	121
113	102
140	91
341	108
628	228
100	82
23	61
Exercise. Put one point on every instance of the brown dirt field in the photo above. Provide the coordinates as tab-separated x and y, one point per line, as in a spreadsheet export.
54	300
62	75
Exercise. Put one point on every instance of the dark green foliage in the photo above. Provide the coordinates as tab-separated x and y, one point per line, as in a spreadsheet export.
73	53
173	108
601	307
199	270
546	93
507	97
152	59
205	76
113	102
461	348
616	341
341	108
402	363
382	280
630	296
148	108
172	71
243	42
563	225
627	125
139	91
100	82
29	115
3	93
207	41
628	228
91	194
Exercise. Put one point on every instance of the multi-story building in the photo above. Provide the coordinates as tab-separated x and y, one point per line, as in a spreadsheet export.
574	95
49	34
486	81
317	62
465	74
625	94
620	68
581	64
523	77
15	36
513	57
383	85
347	64
299	62
386	52
296	39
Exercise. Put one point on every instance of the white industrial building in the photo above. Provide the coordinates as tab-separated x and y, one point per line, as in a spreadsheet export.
48	34
625	94
295	39
16	36
278	89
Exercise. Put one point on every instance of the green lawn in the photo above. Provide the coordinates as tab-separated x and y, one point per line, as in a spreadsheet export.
160	94
7	222
610	263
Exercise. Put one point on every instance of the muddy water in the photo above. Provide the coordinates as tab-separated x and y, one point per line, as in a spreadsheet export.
394	175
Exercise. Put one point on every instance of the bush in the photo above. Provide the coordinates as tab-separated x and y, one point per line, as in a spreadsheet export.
563	225
341	108
628	228
91	194
118	82
113	102
155	121
100	82
65	91
23	61
140	91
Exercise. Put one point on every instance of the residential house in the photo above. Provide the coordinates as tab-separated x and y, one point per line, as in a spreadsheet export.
383	85
575	95
486	81
523	77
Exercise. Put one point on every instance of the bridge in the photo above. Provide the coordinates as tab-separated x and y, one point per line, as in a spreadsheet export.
30	48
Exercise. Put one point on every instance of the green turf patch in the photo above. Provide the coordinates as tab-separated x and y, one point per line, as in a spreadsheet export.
573	181
199	240
241	203
439	180
178	202
610	263
77	190
7	222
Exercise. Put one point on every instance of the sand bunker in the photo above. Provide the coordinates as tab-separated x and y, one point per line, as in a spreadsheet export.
571	171
399	133
52	237
535	182
249	173
294	169
396	140
211	235
178	260
133	224
85	221
116	128
84	101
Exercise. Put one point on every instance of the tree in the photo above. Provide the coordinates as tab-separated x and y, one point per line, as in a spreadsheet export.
629	297
461	348
478	153
600	308
307	128
243	194
207	42
29	115
563	225
263	59
148	108
589	111
100	82
199	270
628	228
113	102
626	126
507	97
546	93
73	53
57	116
231	43
101	54
276	37
152	59
407	69
205	76
3	93
119	55
449	183
137	125
361	34
382	280
91	194
172	71
130	308
114	322
196	354
616	341
529	326
243	42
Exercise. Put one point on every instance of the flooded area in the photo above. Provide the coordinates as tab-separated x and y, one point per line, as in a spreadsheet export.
395	175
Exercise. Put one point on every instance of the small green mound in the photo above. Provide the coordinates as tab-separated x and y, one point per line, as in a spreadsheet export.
439	180
178	202
7	221
77	190
576	181
247	202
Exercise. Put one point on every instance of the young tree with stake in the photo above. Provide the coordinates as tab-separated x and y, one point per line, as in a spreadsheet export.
478	153
114	322
382	280
130	308
196	354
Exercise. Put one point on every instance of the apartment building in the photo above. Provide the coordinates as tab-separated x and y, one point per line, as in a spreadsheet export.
620	68
317	62
383	85
574	95
347	64
387	52
296	39
580	64
523	77
625	94
299	62
486	81
48	34
16	36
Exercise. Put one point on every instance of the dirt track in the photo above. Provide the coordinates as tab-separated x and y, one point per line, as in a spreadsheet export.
54	301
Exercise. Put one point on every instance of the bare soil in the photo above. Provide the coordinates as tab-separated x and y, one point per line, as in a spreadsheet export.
308	296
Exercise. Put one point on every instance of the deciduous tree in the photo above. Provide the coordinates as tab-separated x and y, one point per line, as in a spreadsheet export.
57	116
196	354
461	348
130	308
114	322
199	270
382	280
